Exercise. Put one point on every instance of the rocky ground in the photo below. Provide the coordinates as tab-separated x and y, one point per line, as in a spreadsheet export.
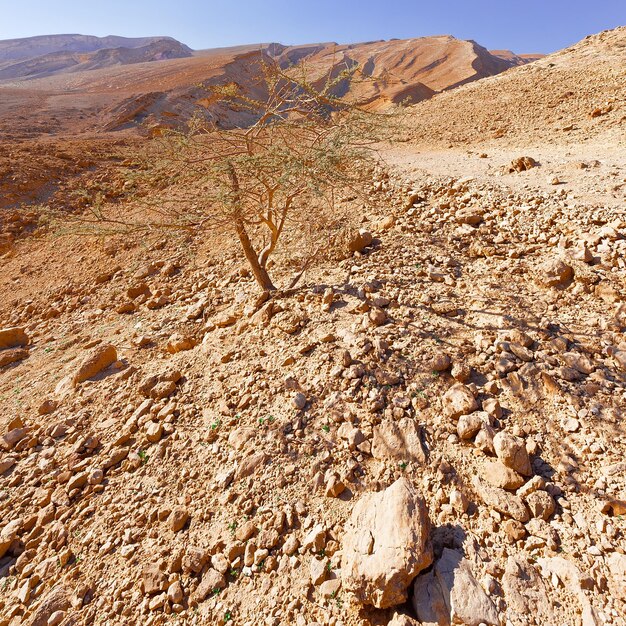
430	431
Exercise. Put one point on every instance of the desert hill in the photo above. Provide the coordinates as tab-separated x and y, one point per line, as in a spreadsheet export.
554	98
394	71
398	70
69	92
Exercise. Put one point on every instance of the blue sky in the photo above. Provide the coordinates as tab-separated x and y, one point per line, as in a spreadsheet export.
526	26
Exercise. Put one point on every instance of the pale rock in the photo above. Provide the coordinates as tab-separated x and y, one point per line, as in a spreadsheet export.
153	579
15	337
525	591
468	426
501	500
359	241
512	452
178	518
541	504
298	400
97	360
385	545
399	440
555	273
6	463
459	400
211	582
450	594
179	343
154	431
318	570
314	539
499	475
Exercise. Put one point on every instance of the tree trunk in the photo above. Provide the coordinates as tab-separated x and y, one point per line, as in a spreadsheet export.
260	273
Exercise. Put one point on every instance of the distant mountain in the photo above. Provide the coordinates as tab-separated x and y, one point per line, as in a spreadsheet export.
30	47
399	69
516	59
65	61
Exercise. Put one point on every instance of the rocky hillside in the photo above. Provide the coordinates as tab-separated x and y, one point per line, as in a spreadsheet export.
555	97
429	430
174	444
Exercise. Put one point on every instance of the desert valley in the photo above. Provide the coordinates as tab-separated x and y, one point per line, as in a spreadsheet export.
427	429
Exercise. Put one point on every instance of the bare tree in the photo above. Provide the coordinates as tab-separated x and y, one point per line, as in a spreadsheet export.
296	150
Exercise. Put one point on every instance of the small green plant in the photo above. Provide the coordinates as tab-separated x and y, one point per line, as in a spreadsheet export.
234	573
232	527
326	428
143	455
403	465
228	616
216	591
215	425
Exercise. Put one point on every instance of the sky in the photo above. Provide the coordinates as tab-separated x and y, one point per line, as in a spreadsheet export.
527	26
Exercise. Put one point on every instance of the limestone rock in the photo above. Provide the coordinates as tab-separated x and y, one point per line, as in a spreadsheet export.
450	594
522	164
179	343
502	501
56	600
468	426
525	591
398	441
512	452
556	272
459	400
97	360
13	338
178	518
8	534
153	579
211	581
12	356
499	475
541	504
359	241
386	545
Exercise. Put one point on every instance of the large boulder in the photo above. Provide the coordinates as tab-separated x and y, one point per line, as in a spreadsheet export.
450	594
386	545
